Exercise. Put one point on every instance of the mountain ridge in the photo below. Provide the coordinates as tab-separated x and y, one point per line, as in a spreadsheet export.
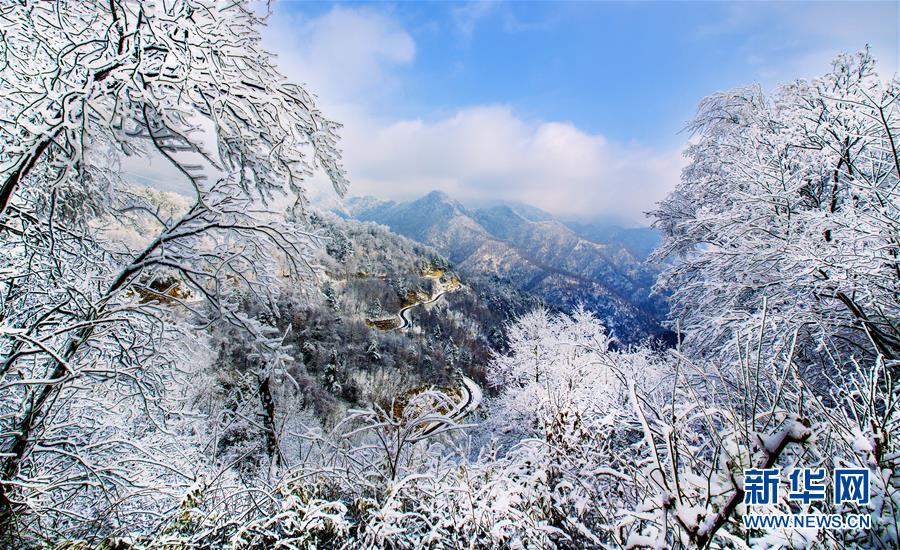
535	252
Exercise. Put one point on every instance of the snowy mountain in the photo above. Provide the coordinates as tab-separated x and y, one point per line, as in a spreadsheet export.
388	316
535	252
639	241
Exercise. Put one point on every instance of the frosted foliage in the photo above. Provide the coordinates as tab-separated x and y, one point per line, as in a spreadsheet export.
186	80
792	197
111	292
652	455
557	362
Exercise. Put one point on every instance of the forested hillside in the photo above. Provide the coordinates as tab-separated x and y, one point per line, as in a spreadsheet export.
537	254
229	367
344	342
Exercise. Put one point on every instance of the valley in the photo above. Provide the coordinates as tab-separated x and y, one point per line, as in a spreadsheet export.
536	254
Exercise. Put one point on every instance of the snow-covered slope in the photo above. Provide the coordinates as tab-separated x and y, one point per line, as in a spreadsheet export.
535	252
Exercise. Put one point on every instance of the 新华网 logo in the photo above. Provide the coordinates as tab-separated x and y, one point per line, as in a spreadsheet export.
806	485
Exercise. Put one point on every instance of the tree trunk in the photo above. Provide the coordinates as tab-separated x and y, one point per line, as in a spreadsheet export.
25	164
268	403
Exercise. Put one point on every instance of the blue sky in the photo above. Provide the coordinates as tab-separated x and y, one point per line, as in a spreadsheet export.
573	107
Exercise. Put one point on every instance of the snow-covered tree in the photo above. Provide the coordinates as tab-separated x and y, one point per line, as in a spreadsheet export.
793	198
187	77
105	291
552	359
648	449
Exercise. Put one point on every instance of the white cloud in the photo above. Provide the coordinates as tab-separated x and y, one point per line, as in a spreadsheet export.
468	14
478	153
484	153
353	58
800	39
341	54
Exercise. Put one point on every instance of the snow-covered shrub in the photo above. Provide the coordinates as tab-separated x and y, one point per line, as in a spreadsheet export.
600	448
716	424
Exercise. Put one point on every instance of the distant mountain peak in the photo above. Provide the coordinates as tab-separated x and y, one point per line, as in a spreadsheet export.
536	252
436	205
437	195
435	198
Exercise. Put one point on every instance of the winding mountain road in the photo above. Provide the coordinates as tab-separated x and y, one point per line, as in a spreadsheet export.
404	320
471	398
470	392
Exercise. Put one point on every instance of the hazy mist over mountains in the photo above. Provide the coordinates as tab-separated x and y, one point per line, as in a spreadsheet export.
599	266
